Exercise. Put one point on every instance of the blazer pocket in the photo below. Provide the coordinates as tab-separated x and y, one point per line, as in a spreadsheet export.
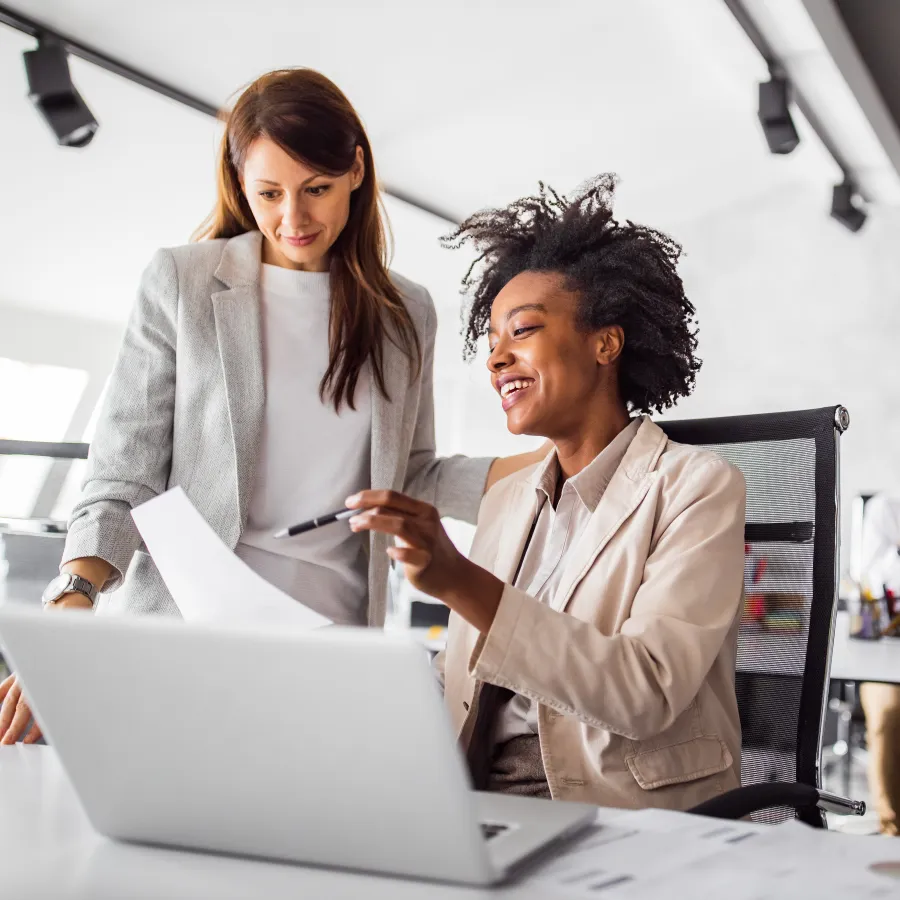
679	763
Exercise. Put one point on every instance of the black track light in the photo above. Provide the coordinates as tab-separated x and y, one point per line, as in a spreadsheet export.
775	115
51	90
844	207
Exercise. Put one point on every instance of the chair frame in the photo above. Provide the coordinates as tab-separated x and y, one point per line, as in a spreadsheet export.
825	425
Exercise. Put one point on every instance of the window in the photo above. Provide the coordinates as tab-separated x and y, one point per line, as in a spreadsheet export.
37	403
71	487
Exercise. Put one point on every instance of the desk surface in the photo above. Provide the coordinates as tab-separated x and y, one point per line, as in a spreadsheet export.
48	849
855	660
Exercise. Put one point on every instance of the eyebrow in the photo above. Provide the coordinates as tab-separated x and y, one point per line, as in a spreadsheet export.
302	184
537	307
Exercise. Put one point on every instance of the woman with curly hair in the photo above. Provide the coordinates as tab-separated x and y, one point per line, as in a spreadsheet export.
591	649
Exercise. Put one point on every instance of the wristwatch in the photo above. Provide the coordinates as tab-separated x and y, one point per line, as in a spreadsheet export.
66	583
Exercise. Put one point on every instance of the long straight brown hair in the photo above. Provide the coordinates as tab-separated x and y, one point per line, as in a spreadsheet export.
309	117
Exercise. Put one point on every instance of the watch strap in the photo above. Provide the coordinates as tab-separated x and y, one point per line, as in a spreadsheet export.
83	586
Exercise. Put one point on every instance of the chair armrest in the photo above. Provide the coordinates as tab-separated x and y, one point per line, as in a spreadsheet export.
752	798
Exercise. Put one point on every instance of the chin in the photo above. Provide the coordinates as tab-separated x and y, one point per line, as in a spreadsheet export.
519	425
299	255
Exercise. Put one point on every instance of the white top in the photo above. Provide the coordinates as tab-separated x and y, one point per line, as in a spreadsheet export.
311	457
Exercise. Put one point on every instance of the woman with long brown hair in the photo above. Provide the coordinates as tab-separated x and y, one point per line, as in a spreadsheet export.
270	369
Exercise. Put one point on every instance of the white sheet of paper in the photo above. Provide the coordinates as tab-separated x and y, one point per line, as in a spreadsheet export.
207	581
659	853
631	848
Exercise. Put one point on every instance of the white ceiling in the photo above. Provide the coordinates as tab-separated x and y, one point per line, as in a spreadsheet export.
467	105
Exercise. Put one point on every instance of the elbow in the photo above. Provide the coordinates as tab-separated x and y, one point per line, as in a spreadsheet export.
651	701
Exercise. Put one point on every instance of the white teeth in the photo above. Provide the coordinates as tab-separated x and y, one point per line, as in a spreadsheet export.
511	386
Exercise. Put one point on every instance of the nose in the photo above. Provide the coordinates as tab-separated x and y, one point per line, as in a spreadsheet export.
500	357
295	215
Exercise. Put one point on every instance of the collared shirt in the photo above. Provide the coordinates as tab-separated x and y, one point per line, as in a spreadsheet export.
556	532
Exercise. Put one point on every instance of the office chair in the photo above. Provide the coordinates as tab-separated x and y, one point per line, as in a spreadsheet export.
790	462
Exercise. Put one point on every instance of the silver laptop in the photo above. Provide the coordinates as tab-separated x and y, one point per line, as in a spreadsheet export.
328	747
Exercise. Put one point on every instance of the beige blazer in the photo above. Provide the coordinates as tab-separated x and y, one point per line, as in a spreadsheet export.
185	407
632	664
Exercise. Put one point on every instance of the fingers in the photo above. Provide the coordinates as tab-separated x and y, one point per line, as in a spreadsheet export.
10	701
6	686
410	556
34	734
388	523
391	500
21	718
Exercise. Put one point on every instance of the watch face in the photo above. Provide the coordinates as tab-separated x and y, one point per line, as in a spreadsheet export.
58	586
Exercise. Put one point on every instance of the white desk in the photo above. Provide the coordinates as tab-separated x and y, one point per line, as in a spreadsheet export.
48	849
855	660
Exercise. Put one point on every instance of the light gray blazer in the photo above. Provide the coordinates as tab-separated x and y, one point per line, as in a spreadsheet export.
185	407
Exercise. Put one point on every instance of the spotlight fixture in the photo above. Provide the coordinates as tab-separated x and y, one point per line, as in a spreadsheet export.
775	115
844	207
51	90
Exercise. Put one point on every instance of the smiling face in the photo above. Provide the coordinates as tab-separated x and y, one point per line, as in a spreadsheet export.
549	372
299	211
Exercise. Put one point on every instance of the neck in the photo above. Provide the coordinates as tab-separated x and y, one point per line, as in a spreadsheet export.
597	430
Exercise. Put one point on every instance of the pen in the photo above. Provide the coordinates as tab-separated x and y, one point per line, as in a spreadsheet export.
318	522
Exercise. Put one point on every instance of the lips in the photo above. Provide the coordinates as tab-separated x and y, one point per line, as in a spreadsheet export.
301	240
513	389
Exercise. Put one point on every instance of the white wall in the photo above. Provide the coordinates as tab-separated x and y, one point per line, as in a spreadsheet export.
796	312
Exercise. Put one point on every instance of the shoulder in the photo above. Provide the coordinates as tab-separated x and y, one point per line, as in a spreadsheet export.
184	271
695	472
202	257
208	253
417	300
196	263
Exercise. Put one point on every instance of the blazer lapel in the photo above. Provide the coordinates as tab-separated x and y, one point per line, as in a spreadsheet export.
518	519
239	336
389	425
627	488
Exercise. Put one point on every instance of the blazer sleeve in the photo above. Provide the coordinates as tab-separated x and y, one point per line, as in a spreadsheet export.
130	455
454	484
637	682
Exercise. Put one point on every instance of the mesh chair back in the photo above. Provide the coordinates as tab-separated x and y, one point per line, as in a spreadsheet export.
790	463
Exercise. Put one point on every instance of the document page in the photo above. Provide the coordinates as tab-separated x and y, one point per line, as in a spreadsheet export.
207	581
658	853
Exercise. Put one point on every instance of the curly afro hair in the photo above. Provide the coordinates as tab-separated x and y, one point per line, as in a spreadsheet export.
624	274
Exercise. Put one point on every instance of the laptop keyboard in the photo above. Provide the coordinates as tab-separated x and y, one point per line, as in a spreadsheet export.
492	829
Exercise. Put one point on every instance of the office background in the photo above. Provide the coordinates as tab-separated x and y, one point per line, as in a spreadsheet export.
466	107
469	106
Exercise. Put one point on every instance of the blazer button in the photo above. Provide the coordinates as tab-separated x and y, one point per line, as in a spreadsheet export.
466	705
